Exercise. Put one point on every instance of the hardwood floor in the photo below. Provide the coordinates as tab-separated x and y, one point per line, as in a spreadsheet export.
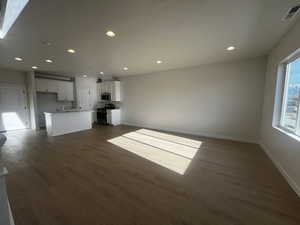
82	179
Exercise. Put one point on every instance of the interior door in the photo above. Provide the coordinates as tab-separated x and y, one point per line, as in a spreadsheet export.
13	108
84	99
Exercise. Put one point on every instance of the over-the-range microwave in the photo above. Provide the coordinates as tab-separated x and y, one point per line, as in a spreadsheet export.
106	96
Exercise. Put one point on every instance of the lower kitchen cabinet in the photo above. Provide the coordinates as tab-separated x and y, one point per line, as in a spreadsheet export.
114	117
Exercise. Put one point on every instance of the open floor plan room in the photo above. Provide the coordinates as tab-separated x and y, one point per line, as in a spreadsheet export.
149	112
85	177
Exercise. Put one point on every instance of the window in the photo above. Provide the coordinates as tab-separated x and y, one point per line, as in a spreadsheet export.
290	113
9	12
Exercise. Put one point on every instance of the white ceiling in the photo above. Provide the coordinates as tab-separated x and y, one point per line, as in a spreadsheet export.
181	33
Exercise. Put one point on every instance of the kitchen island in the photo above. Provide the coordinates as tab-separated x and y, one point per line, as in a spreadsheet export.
65	122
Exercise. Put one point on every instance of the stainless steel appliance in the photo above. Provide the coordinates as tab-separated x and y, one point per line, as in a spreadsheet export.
106	96
102	114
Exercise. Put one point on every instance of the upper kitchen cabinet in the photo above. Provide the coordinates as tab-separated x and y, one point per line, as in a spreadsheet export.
116	91
46	85
111	87
65	91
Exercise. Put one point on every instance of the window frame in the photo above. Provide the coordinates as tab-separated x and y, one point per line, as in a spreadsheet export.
284	92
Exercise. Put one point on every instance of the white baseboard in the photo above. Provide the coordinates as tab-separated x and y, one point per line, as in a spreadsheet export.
192	133
284	173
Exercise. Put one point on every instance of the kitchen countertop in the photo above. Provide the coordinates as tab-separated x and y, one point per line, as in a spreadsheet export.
113	109
69	111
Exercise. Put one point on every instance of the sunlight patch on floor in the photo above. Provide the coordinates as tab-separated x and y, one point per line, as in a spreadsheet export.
11	121
170	151
169	137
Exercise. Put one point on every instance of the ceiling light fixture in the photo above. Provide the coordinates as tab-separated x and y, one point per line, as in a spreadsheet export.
125	68
85	76
18	59
72	51
158	61
110	33
48	61
34	67
230	48
101	73
47	43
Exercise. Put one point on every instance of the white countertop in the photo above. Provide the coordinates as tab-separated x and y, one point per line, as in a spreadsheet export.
112	109
69	111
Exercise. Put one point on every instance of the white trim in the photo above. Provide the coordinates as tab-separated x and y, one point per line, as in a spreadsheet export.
284	92
288	133
283	172
3	172
209	135
11	218
284	79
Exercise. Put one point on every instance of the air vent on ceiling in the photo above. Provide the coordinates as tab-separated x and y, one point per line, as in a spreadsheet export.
292	12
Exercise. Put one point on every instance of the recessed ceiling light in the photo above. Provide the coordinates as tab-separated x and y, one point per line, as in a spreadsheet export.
46	43
230	48
34	67
18	59
125	68
110	33
72	51
84	76
101	73
158	61
48	61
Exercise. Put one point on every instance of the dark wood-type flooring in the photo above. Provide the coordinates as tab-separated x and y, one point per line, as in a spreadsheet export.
81	179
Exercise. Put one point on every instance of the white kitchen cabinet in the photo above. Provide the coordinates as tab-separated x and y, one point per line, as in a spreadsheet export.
114	117
46	85
106	87
65	91
112	87
41	85
116	91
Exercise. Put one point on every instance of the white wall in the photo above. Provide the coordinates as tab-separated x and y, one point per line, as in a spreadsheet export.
283	149
31	91
12	77
218	100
